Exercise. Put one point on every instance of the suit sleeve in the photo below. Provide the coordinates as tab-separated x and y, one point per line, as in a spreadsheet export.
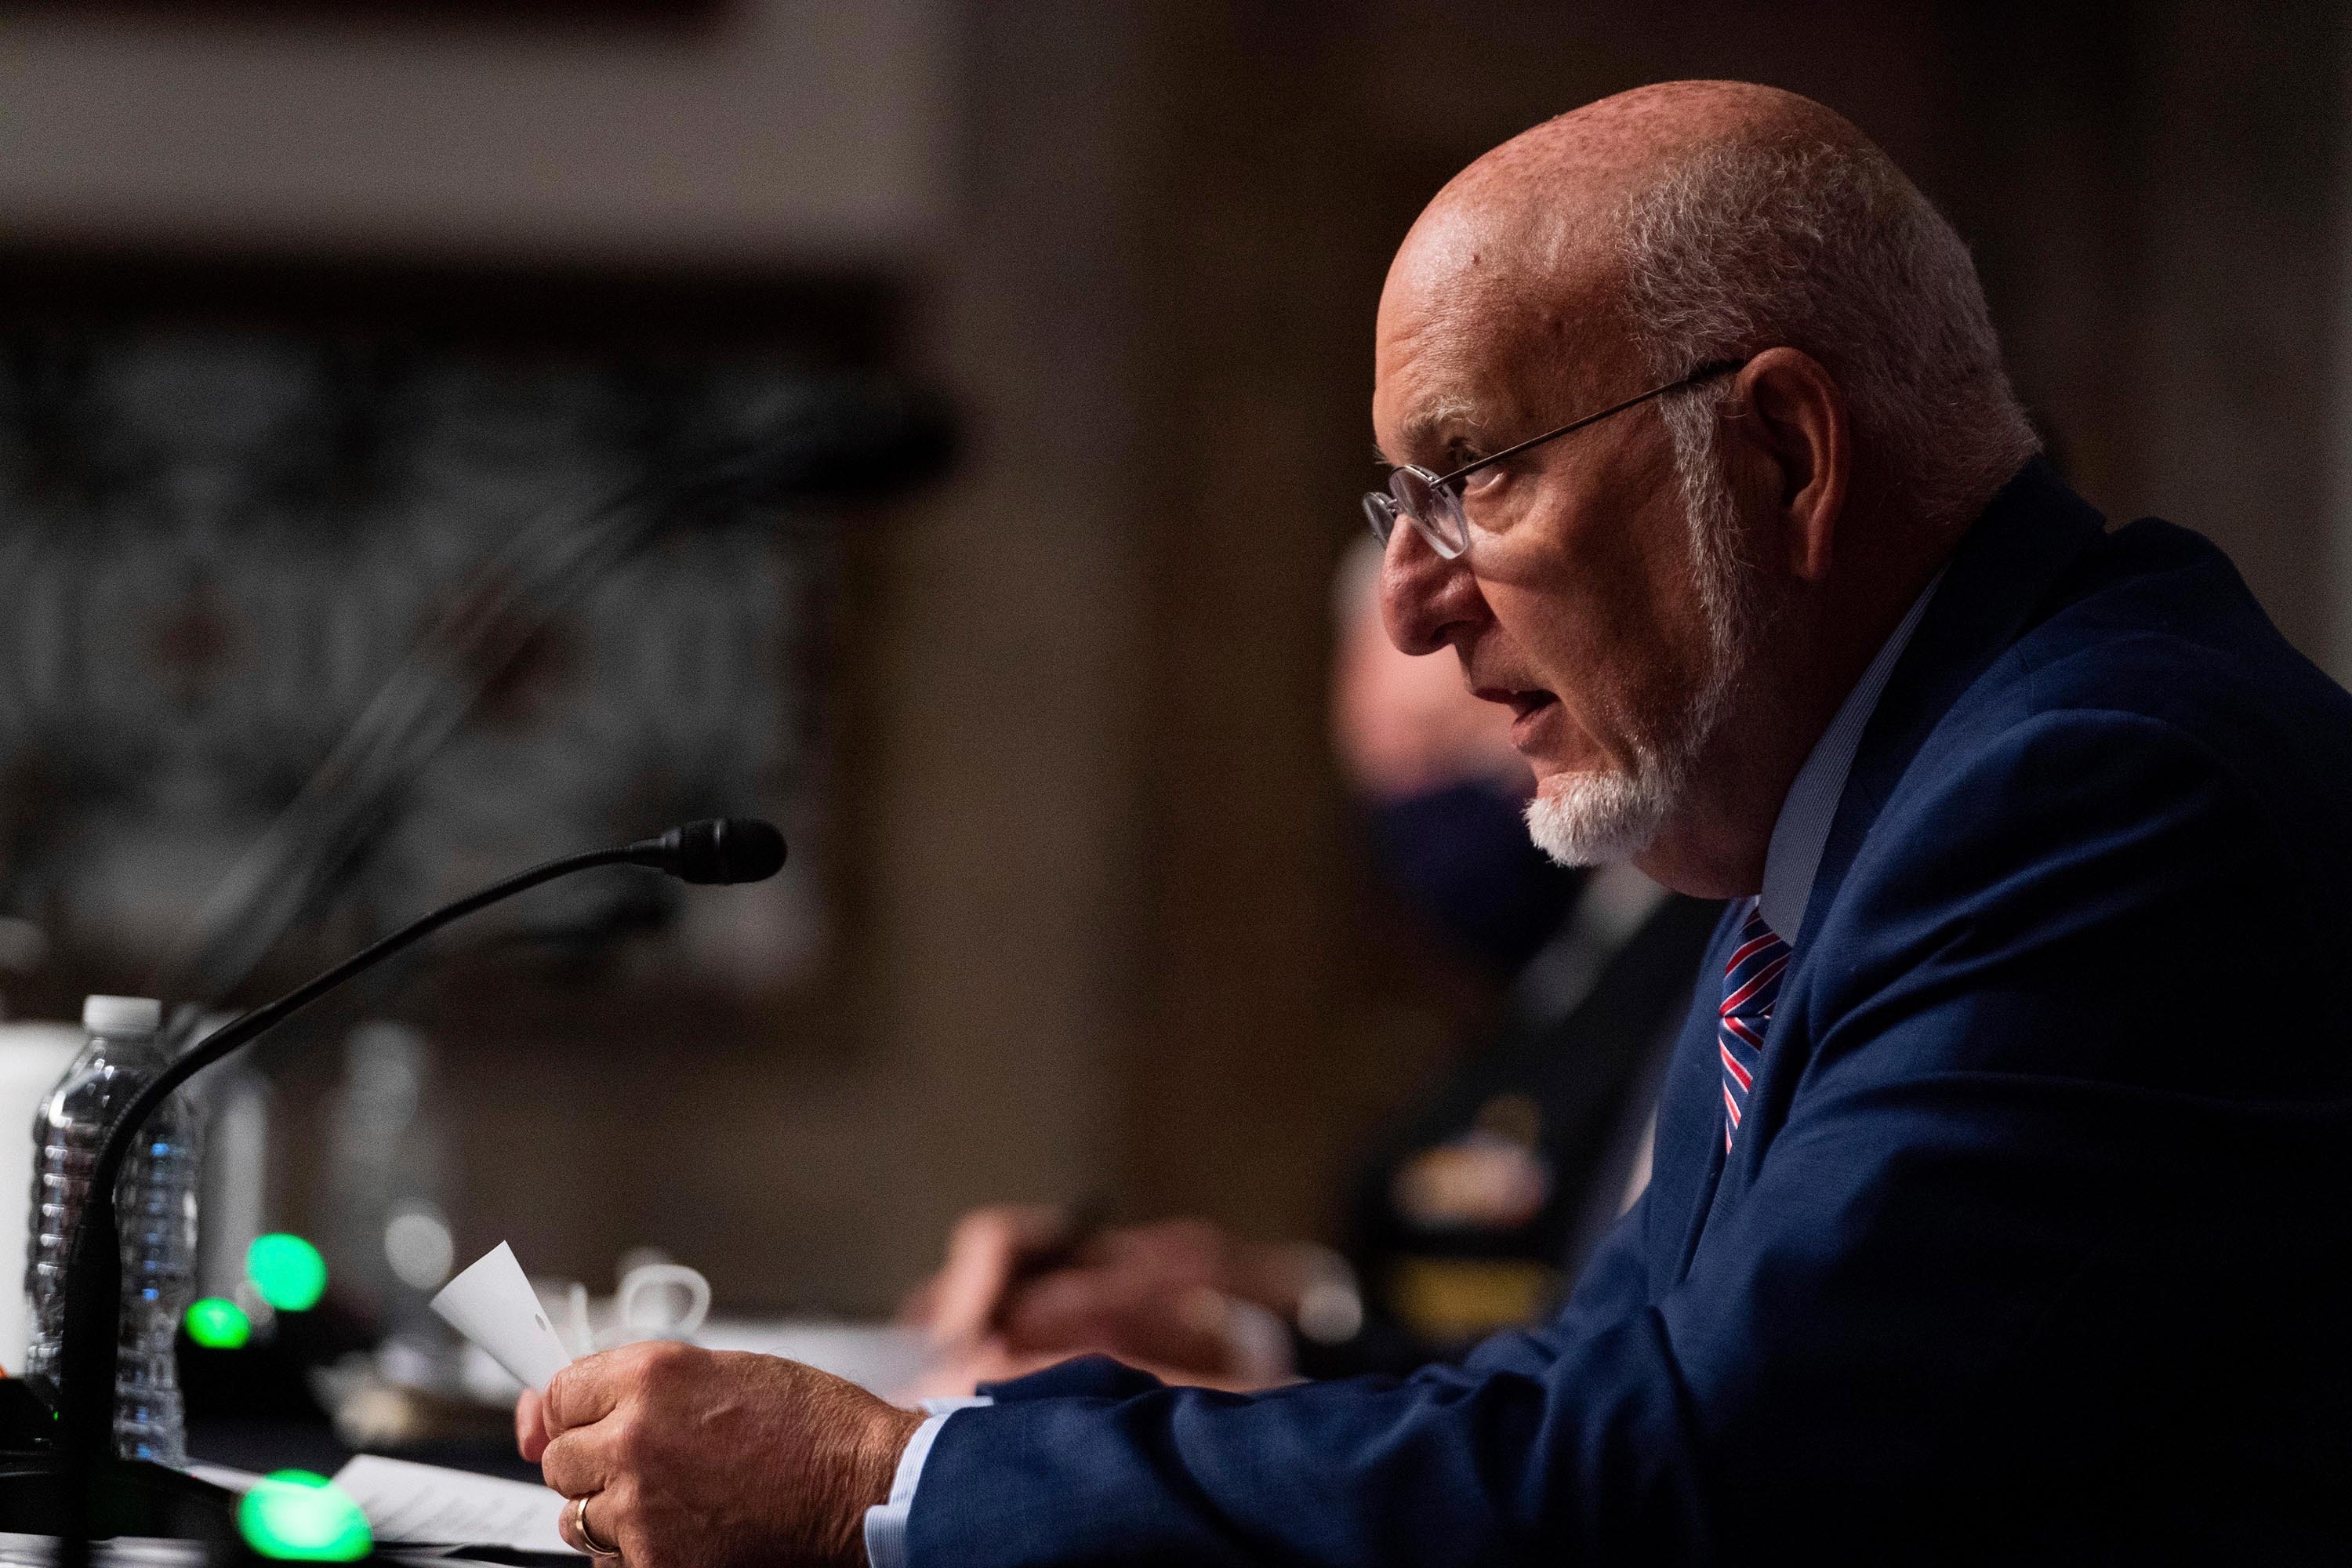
2021	980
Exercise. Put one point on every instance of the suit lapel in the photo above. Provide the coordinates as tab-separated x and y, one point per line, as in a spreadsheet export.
1999	575
1999	578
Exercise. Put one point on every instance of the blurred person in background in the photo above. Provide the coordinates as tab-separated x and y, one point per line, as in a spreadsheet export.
1473	1209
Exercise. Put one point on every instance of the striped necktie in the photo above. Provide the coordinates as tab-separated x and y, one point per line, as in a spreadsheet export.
1752	980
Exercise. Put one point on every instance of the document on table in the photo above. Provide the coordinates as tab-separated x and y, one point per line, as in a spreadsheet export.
410	1504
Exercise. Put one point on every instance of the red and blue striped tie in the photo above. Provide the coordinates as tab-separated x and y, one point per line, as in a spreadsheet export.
1752	980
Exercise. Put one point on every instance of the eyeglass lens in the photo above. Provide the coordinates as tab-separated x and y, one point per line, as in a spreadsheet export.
1431	508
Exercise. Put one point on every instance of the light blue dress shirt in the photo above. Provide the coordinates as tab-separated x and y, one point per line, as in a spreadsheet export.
1798	836
886	1522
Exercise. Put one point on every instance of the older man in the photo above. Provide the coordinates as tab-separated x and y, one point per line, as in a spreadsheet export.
1997	1208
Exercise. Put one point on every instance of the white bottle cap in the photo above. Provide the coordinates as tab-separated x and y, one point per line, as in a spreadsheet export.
121	1014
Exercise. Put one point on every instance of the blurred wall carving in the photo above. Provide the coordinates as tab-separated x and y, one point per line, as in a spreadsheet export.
222	541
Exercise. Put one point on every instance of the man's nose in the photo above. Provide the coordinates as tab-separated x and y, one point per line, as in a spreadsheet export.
1424	598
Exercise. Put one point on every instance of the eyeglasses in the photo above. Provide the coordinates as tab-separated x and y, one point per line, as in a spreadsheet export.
1433	502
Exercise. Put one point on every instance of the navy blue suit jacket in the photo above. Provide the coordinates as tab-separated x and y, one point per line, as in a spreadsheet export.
2030	1243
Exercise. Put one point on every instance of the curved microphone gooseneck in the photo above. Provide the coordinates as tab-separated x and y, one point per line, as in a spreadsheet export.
720	851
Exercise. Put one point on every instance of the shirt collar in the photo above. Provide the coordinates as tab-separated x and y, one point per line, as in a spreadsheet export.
1802	829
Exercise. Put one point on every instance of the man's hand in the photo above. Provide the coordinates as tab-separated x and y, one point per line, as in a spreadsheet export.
693	1458
1181	1299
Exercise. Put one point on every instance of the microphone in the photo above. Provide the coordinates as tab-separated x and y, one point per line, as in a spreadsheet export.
718	851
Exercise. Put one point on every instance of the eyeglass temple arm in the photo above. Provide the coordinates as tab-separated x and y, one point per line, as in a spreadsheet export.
1705	373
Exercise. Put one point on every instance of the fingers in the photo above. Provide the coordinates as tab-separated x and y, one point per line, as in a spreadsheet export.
586	1391
580	1462
1133	1314
566	1527
567	1530
599	1408
1173	1247
1070	1310
530	1426
984	1256
1162	1294
1157	1290
575	1440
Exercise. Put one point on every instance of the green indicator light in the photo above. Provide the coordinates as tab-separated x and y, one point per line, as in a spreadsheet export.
217	1324
287	1270
300	1517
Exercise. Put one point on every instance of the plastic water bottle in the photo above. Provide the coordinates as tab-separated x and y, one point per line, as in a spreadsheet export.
156	1206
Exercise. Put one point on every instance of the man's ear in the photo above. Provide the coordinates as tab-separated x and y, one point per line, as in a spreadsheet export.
1793	415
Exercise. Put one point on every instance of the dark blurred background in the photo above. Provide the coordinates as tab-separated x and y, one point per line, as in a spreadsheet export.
306	306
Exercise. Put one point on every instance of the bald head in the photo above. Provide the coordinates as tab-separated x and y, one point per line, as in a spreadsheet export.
1622	140
1535	224
1685	222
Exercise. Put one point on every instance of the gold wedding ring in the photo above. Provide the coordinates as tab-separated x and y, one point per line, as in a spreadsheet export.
587	1538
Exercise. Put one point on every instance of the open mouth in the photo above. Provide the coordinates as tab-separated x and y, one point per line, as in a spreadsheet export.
1527	709
1523	703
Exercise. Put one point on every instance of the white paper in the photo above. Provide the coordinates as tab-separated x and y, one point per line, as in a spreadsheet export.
493	1304
221	1476
410	1504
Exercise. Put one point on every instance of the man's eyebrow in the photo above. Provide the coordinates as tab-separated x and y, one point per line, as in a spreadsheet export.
1428	430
